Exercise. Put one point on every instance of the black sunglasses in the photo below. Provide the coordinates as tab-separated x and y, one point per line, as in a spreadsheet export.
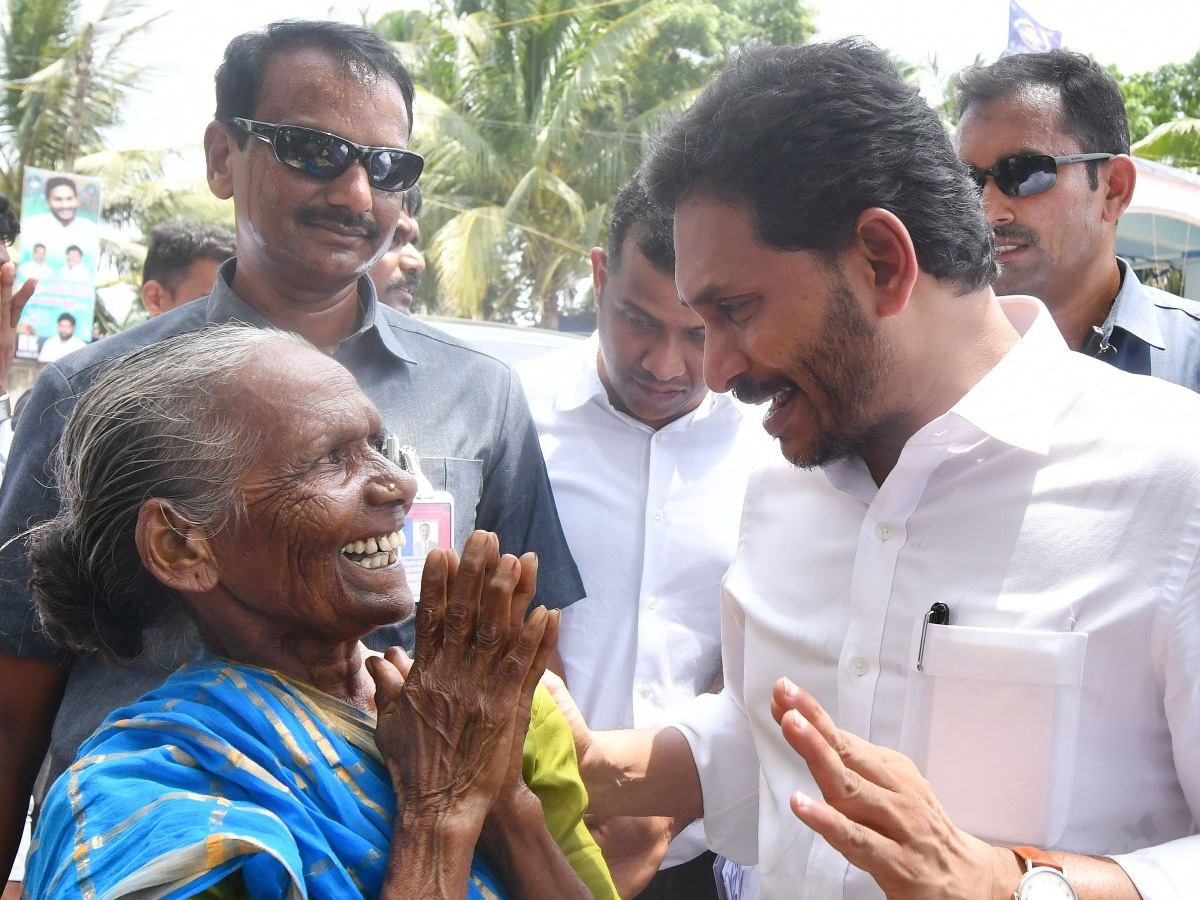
1034	173
324	155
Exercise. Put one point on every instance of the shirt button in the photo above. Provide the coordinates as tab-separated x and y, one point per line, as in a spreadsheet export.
658	515
652	602
644	690
859	666
884	531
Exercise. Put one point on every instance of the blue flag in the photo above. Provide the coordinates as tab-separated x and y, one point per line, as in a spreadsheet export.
1025	35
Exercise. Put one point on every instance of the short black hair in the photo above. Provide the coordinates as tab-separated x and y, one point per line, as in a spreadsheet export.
174	246
59	181
10	224
240	75
1093	110
413	200
66	317
810	137
635	213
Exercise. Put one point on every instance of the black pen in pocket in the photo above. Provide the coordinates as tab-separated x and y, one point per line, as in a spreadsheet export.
939	614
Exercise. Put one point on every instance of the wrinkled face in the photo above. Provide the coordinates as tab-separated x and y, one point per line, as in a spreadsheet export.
398	271
317	551
63	203
197	282
651	345
784	326
291	227
1044	243
66	328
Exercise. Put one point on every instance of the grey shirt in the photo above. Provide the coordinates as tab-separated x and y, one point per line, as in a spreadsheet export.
462	410
1151	332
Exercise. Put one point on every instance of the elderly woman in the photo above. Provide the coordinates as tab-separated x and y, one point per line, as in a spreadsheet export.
230	475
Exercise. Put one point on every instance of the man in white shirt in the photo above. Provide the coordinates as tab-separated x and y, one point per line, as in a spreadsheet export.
64	342
649	469
976	569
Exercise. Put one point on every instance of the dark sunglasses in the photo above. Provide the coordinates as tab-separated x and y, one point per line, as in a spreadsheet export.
1024	176
324	155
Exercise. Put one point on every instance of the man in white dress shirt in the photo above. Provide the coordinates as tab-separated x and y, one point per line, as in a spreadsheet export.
962	647
649	469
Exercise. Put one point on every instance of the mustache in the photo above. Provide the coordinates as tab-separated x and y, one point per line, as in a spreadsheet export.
752	391
310	215
404	282
1020	234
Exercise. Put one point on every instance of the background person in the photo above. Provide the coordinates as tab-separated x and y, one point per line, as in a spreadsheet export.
1057	240
634	439
305	242
182	259
398	272
205	476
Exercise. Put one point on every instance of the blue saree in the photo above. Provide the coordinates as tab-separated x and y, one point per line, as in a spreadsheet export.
224	767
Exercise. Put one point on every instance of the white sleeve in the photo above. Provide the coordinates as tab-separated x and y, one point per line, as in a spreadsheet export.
718	732
1171	871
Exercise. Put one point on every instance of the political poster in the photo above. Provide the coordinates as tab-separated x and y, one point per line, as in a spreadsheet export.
60	247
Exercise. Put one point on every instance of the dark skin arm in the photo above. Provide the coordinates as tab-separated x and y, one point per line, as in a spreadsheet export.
442	719
30	693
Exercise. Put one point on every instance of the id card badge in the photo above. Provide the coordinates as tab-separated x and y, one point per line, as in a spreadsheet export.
430	521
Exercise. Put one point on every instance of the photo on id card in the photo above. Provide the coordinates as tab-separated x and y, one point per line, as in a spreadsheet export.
429	525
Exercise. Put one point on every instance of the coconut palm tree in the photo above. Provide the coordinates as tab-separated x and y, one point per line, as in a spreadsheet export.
534	113
1176	143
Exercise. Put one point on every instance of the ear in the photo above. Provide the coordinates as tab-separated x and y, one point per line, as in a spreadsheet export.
155	297
174	551
888	260
599	272
1118	177
219	148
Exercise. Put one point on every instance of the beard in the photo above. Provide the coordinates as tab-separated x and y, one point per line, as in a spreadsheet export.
846	366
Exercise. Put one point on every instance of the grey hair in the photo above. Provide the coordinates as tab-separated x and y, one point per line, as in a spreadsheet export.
161	423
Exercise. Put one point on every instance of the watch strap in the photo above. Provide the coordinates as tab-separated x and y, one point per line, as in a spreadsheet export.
1032	857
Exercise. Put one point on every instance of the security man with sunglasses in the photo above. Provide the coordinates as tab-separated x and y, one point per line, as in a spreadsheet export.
1046	137
310	140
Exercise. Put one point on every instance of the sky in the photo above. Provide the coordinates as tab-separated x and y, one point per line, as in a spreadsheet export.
184	47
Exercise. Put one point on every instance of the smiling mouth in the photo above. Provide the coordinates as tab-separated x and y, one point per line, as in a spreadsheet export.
375	552
779	400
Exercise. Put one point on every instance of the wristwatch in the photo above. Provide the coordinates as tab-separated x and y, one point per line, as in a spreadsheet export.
1044	879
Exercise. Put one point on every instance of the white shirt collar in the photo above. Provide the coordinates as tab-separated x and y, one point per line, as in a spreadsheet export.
575	392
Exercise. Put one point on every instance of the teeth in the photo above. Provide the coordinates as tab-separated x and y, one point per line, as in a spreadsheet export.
376	551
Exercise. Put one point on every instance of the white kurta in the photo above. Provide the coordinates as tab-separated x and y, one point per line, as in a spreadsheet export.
1056	511
652	519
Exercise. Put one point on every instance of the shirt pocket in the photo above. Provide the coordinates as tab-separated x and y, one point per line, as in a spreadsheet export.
463	478
992	722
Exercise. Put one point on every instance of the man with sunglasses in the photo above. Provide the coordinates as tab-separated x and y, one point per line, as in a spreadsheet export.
310	140
1046	137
